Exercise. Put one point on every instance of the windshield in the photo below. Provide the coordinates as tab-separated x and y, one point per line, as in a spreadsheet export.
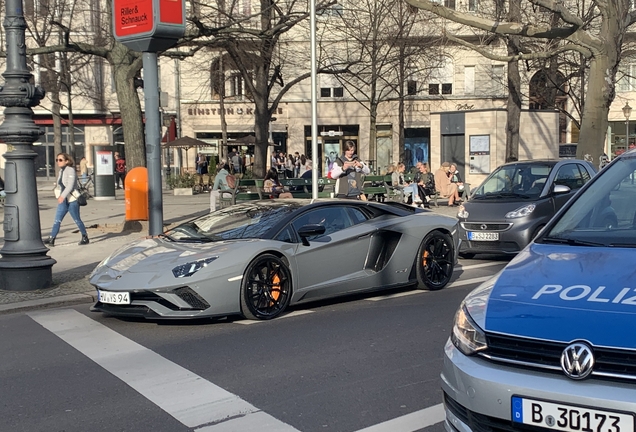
521	180
248	221
605	213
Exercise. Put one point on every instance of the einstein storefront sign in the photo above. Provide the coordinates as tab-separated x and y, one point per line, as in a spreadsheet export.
233	111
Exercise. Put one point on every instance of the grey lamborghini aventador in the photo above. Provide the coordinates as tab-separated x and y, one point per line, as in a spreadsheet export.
259	257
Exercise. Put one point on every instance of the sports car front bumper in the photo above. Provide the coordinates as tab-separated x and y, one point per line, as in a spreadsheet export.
478	393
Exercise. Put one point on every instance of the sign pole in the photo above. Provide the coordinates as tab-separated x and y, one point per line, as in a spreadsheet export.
153	142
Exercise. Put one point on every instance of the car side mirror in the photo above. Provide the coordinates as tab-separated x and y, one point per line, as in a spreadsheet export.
560	189
310	230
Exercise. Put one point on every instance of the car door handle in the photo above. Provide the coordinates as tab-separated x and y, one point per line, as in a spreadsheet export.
369	234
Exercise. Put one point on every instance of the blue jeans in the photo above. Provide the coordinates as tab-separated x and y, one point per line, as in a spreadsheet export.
67	207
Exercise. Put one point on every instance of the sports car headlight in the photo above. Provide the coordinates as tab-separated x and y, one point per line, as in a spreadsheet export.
467	336
462	213
186	270
521	212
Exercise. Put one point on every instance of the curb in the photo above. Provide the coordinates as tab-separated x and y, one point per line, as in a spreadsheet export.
50	302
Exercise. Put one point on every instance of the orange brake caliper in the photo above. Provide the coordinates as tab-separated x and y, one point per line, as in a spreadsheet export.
425	259
275	291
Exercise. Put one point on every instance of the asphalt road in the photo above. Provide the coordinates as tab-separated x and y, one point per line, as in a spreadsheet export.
359	362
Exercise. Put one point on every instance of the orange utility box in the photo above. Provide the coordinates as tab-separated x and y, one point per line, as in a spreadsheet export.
136	194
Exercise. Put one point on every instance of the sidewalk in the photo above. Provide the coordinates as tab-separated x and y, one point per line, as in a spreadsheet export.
104	220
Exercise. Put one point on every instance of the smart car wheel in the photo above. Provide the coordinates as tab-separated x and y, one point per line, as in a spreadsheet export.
435	261
266	288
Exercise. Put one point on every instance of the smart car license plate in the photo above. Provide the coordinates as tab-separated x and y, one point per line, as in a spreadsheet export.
114	297
562	417
483	236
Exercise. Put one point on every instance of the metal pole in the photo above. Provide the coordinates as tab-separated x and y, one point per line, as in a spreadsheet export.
314	104
153	142
24	264
627	137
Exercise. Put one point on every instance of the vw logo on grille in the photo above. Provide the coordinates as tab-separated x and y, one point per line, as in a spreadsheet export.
483	227
577	360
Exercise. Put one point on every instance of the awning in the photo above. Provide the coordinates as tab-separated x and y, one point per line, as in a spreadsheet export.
186	143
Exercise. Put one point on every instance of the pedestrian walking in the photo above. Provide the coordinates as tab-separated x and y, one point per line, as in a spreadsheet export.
66	194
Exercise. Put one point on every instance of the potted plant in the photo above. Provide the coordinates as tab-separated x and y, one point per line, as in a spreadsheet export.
181	184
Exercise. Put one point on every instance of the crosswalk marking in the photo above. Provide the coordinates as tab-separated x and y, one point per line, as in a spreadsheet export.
410	422
192	400
465	282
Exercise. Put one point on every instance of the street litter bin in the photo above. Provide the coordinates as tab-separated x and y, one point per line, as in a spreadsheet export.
136	194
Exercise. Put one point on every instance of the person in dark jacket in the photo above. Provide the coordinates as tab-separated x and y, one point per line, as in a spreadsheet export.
349	169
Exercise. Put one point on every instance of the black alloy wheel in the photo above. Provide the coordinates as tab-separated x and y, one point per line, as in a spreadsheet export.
435	261
266	288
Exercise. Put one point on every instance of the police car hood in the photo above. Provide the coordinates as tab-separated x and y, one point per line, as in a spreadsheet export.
569	293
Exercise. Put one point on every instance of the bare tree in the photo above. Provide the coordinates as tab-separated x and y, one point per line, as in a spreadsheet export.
597	35
388	44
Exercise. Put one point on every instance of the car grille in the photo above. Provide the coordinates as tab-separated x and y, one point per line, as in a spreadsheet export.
608	363
492	246
188	295
477	226
483	423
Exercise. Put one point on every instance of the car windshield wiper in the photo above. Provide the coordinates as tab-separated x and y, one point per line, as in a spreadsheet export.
501	195
167	236
570	241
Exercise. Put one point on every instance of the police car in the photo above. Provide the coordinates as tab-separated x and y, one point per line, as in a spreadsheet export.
549	343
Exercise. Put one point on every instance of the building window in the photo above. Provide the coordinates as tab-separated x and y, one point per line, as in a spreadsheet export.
325	92
236	85
330	86
443	77
335	10
449	4
473	5
497	84
338	92
411	87
469	80
627	80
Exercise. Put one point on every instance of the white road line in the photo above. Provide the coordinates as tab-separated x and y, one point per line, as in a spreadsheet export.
416	291
468	281
291	314
410	422
187	397
487	264
396	295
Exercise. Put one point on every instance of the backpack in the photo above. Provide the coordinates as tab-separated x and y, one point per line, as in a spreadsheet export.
230	179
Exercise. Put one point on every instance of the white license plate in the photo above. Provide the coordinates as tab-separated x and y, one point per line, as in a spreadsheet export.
114	297
483	236
561	417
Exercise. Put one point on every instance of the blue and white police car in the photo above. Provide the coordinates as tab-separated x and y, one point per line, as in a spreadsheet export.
549	343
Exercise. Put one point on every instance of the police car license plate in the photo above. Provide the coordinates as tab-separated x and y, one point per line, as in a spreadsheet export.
483	236
113	297
562	417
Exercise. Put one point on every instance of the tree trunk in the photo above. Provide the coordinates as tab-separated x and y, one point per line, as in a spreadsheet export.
57	125
223	151
514	89
124	70
598	99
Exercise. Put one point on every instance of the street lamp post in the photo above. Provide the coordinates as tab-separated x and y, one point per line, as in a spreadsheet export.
24	264
627	112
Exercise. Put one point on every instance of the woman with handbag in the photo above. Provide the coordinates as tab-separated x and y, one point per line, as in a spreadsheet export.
66	194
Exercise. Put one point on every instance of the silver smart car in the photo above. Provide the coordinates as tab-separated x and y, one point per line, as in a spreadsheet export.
515	201
549	342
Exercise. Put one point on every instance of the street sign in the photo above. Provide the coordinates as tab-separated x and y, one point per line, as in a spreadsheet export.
148	25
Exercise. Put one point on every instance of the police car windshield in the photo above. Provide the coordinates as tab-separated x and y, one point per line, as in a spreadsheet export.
605	213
